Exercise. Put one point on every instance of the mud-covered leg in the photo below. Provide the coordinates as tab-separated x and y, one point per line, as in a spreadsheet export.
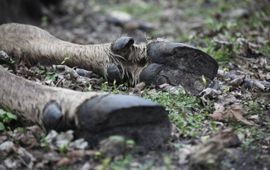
161	62
34	45
92	115
122	60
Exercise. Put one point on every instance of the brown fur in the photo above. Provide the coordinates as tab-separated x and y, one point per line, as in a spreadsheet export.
34	45
31	97
122	115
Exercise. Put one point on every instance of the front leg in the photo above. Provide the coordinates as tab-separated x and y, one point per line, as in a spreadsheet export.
159	62
92	115
155	62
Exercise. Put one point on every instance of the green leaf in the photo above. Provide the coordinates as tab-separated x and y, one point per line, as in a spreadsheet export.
2	127
11	116
50	76
6	117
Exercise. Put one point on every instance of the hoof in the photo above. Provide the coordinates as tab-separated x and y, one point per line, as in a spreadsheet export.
52	116
178	64
151	74
122	45
141	120
114	73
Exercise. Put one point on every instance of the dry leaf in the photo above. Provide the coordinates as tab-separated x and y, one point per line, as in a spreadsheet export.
211	150
206	152
233	112
227	137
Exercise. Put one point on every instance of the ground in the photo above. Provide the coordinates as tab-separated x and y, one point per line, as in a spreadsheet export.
226	127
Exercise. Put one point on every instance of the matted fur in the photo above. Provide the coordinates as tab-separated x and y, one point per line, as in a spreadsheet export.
28	98
34	45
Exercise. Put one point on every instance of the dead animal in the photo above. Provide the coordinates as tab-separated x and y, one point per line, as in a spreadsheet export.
156	62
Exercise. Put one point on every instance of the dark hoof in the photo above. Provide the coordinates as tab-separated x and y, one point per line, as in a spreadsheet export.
178	64
114	73
52	116
151	74
130	116
121	45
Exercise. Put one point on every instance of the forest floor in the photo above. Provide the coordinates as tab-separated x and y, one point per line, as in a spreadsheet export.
226	127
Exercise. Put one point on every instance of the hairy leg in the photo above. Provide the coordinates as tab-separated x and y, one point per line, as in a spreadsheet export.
62	109
156	62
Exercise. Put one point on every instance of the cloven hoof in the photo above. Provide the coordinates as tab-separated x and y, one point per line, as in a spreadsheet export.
178	64
136	118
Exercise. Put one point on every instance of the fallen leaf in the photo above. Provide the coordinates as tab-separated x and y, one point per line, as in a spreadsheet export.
63	162
233	112
227	137
218	113
205	153
211	150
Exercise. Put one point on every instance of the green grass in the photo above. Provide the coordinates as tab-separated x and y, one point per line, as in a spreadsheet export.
139	10
265	49
175	103
185	111
126	162
222	54
6	118
115	88
231	28
254	108
118	164
122	163
251	137
63	149
50	76
44	142
46	74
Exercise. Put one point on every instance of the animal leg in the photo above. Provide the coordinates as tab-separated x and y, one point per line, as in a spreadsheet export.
156	62
92	115
177	63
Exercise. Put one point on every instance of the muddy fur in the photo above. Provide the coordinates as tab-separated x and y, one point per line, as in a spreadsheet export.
84	112
34	45
28	99
121	60
62	109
